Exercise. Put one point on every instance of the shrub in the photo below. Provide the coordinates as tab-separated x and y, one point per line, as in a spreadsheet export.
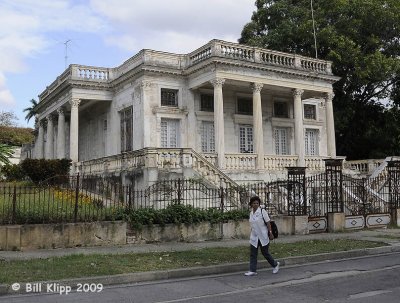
13	172
181	214
40	170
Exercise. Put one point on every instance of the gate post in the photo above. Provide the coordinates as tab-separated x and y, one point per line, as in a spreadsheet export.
393	168
297	201
334	194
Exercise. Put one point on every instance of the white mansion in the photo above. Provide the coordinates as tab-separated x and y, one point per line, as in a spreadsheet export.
223	111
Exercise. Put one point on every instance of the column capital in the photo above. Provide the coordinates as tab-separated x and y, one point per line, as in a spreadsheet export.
75	102
50	118
297	92
256	87
42	122
145	84
329	97
217	82
61	111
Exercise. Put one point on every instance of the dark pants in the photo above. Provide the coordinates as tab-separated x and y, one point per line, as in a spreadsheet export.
266	254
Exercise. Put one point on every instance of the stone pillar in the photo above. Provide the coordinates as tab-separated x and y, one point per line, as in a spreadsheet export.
258	125
219	121
61	134
40	141
298	127
330	126
50	138
336	222
74	129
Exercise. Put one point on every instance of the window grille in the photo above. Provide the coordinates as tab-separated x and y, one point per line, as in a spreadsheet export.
246	139
311	142
310	112
207	103
207	137
169	97
245	106
126	123
281	141
169	133
281	110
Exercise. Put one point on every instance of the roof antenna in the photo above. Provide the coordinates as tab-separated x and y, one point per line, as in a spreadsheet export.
313	24
66	52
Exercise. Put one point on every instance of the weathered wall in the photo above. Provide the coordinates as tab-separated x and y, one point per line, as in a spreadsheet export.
204	231
37	236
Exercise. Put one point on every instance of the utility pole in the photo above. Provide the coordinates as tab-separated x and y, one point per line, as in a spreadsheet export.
66	52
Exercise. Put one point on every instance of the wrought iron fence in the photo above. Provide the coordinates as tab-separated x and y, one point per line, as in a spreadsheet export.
90	198
87	199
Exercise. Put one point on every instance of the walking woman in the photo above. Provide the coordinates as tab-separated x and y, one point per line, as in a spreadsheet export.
260	235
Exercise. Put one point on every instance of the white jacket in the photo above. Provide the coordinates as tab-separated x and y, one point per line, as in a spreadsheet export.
259	230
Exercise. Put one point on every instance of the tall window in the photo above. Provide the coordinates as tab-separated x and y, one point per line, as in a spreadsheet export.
246	139
207	103
126	118
169	97
311	142
169	132
281	110
310	112
281	141
245	106
207	137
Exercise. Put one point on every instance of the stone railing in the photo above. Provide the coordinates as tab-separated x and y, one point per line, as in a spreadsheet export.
363	166
90	73
279	163
169	158
240	161
215	48
218	48
204	164
315	163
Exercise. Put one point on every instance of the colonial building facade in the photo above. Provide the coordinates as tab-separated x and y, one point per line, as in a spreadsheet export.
224	111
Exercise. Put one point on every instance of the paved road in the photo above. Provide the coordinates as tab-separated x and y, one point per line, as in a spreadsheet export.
363	279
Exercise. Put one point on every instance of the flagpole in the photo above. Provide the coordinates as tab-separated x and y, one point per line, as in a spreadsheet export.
313	23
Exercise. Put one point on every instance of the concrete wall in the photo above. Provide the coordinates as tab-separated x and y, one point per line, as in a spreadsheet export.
203	231
39	236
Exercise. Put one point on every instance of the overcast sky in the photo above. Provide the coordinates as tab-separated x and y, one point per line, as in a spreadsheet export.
101	33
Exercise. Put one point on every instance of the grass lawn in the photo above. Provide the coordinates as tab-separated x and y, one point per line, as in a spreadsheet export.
78	266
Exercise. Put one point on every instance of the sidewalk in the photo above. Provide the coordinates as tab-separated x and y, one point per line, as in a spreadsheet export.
386	236
370	235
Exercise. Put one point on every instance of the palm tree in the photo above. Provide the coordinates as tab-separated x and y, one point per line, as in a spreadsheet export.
31	110
5	152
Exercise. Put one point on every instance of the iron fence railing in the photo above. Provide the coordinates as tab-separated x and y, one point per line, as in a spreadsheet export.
90	198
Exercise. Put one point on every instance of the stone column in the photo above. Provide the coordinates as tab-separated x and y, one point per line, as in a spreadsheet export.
50	138
61	134
74	129
298	127
149	121
219	121
330	126
258	134
40	141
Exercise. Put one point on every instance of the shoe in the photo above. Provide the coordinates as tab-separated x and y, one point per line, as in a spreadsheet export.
250	273
276	268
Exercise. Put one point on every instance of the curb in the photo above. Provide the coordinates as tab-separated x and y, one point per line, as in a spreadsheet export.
5	289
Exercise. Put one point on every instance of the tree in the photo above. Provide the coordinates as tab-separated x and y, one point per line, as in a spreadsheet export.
5	152
362	39
31	111
7	118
